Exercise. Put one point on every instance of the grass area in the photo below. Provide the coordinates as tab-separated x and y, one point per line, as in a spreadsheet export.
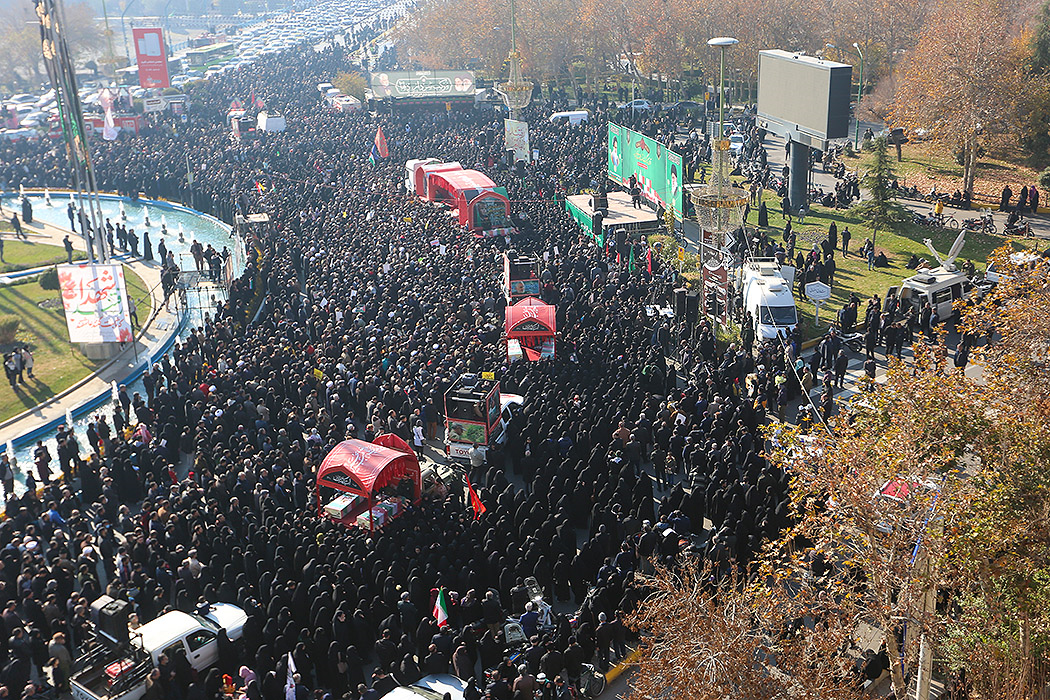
57	364
927	164
852	274
23	255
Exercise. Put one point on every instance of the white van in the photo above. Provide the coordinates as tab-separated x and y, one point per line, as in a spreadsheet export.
939	287
1021	259
578	116
767	296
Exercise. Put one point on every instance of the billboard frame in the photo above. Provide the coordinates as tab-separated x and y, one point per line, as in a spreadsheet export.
153	67
658	159
839	74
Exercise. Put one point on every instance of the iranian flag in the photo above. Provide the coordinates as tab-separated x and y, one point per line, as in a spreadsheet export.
441	608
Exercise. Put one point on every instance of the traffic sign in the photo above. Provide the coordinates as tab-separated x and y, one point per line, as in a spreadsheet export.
681	253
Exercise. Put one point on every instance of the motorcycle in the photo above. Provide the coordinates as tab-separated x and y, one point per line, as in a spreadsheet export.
984	223
1023	227
853	341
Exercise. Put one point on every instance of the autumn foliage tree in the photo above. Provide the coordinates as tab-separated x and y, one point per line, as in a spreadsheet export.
707	637
960	79
662	37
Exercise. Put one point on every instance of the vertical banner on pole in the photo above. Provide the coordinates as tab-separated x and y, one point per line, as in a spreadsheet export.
151	57
516	138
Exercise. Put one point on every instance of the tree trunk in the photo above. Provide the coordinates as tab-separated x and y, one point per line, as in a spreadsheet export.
900	689
969	163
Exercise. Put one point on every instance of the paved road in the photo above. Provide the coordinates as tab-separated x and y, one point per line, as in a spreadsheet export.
826	181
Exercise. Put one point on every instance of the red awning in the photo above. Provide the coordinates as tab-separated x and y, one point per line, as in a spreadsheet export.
360	467
530	317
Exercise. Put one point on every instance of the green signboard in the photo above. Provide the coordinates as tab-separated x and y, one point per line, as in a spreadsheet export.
584	221
657	169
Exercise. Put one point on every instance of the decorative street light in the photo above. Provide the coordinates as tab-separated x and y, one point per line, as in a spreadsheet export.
516	92
719	204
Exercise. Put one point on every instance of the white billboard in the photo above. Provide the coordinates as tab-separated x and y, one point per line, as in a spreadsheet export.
95	298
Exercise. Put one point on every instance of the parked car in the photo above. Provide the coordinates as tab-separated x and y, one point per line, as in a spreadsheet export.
637	106
685	106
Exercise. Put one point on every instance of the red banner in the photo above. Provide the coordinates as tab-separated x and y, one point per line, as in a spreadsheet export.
151	57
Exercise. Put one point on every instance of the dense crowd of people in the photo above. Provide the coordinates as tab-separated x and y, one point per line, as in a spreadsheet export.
374	304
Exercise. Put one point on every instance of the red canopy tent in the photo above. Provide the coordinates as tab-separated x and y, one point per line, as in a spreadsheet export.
362	468
531	323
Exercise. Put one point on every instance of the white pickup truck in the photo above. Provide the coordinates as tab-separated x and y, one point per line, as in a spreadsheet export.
119	671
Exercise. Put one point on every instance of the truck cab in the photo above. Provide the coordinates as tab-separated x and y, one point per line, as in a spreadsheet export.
521	276
118	660
476	413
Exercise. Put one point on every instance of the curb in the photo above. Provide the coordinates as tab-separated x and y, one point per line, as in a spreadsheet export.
617	670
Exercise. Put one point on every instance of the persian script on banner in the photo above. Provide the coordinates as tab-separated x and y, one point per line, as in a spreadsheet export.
516	134
95	299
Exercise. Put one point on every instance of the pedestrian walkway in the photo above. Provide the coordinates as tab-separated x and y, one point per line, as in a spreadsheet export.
155	335
774	146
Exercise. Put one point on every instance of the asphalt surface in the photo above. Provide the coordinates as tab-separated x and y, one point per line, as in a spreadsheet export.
826	181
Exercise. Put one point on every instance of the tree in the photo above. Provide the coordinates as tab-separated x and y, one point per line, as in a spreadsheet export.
1033	108
710	637
880	208
1002	551
352	83
872	496
960	79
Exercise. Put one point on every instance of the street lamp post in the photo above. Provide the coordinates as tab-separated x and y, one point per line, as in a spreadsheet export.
719	204
123	29
860	88
722	42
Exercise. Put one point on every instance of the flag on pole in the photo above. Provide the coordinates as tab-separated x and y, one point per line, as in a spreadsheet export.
475	500
259	104
252	99
380	143
289	682
441	608
235	105
109	128
259	187
373	157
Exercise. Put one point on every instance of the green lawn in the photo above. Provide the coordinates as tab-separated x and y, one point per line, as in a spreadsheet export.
852	274
58	365
926	164
23	255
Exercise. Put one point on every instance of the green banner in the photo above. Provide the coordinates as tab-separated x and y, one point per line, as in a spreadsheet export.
657	169
585	222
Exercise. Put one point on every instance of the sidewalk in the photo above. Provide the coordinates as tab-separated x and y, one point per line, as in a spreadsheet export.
826	181
157	333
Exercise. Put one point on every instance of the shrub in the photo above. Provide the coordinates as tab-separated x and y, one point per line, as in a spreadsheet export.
8	329
49	279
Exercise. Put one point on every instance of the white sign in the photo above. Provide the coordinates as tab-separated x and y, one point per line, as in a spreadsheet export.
818	291
516	136
95	299
154	104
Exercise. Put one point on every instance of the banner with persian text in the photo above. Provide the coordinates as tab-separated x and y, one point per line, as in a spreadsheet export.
95	299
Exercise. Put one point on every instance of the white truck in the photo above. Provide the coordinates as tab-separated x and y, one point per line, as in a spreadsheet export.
767	297
116	665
